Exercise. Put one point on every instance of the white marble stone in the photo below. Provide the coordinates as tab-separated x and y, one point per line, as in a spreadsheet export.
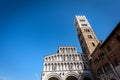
67	62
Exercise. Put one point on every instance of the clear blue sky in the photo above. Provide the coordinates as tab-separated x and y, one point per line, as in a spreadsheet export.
31	29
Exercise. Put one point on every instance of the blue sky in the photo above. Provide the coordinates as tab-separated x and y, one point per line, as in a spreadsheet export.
31	29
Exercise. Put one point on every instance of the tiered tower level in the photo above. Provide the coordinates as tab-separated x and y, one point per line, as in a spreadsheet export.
66	64
86	35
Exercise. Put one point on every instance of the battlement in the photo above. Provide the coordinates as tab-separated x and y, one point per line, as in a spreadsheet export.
67	49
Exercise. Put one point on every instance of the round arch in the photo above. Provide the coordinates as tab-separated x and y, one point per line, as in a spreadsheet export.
71	78
53	76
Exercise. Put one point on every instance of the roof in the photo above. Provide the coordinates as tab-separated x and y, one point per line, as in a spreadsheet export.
112	33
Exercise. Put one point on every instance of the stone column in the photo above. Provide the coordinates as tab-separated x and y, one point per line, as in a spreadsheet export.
73	66
63	67
77	57
50	67
57	58
60	58
44	67
80	67
60	66
67	66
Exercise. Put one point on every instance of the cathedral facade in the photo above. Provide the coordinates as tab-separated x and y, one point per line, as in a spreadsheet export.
66	64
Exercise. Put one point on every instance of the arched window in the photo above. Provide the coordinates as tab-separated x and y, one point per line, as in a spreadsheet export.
89	36
93	44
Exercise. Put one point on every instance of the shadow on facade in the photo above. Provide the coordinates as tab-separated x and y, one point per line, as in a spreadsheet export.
85	75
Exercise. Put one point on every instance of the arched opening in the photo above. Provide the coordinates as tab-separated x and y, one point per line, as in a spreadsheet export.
71	78
86	78
53	78
93	44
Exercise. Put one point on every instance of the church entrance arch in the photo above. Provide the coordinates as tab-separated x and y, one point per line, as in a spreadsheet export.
71	78
86	78
53	78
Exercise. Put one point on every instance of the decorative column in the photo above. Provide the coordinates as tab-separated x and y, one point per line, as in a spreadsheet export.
60	58
50	67
63	67
73	66
66	66
46	67
57	58
60	66
80	66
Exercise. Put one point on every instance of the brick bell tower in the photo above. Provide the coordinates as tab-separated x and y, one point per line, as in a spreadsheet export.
86	35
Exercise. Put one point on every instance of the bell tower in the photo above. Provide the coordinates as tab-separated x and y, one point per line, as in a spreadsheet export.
86	35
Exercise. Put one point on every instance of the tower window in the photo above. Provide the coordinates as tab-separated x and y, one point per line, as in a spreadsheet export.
93	44
86	30
89	36
82	20
84	24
